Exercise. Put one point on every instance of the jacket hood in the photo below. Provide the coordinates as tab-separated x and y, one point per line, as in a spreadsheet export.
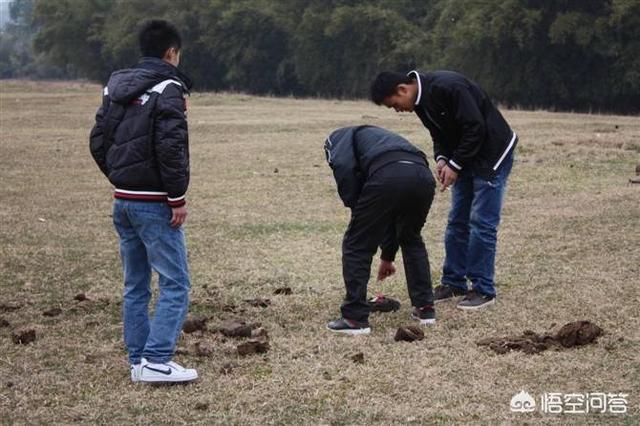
340	137
128	84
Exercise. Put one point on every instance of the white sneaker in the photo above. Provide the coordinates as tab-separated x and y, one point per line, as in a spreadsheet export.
166	372
135	372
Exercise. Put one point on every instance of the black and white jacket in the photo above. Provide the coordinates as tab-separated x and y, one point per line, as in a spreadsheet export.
140	139
467	130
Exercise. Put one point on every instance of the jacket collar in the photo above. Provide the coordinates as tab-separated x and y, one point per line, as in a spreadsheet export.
417	75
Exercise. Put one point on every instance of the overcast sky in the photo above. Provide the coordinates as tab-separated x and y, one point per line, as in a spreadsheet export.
4	12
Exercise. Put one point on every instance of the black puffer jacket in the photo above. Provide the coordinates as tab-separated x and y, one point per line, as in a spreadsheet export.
140	139
354	153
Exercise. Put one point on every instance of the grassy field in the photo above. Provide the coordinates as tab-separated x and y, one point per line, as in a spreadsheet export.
264	214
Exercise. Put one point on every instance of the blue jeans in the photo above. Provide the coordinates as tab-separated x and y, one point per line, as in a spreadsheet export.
147	242
472	230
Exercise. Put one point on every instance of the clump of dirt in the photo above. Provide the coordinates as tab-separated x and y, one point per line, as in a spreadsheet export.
253	346
80	297
578	333
23	336
193	324
284	291
236	329
91	358
53	312
573	334
529	343
10	306
204	349
382	303
258	302
409	333
229	307
227	368
358	358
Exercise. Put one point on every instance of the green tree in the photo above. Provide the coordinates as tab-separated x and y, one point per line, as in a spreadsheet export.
70	34
337	52
250	46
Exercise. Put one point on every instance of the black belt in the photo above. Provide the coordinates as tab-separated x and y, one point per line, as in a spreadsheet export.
396	157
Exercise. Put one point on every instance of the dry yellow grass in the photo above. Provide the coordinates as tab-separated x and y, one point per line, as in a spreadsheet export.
568	250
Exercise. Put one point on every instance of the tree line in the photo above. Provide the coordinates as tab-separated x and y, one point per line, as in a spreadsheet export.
563	54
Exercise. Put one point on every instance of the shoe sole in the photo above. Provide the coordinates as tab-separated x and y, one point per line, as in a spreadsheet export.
165	380
479	307
448	299
430	321
353	332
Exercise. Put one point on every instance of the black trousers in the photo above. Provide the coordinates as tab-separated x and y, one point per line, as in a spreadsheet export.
390	213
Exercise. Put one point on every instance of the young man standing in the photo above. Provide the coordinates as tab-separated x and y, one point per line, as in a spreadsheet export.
140	142
386	183
473	147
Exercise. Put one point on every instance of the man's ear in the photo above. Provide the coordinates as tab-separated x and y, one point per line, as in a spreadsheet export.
402	89
169	53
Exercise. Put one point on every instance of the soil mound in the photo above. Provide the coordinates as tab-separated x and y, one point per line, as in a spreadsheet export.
573	334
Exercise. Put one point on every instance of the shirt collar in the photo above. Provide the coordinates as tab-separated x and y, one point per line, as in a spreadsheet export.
419	97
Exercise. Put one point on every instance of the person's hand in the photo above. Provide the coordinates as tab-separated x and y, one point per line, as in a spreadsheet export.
439	167
448	178
178	216
386	269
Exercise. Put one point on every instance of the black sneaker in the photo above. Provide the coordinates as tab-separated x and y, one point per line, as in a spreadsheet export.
474	301
425	314
446	292
382	303
347	326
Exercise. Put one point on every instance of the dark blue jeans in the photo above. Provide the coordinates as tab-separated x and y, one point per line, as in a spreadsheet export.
472	230
147	242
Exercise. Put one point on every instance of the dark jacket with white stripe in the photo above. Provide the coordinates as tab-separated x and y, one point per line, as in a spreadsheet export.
140	139
355	153
467	130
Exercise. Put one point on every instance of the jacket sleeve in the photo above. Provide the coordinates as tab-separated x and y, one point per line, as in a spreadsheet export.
389	246
468	116
440	145
96	140
171	142
440	151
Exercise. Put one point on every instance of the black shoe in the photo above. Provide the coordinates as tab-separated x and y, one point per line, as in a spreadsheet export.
474	301
381	303
425	314
446	292
346	326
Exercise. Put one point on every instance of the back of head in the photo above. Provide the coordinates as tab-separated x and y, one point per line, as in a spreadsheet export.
384	85
157	36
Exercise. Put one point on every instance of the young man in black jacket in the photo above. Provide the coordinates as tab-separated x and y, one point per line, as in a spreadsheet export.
140	142
473	147
386	183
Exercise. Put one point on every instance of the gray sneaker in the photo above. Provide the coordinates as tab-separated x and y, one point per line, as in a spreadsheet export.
346	326
474	301
446	292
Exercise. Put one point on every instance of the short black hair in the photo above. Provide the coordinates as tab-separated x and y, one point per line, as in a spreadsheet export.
157	36
385	84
